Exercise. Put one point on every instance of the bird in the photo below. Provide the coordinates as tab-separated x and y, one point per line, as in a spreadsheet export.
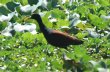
55	37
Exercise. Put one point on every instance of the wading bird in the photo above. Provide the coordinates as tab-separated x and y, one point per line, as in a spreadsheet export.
55	37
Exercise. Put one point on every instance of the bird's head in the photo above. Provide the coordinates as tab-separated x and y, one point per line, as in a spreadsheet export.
35	16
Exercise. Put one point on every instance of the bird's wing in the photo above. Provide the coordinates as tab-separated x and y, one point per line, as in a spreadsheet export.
65	38
63	35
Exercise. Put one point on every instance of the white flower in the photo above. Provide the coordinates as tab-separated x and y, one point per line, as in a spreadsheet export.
92	32
19	28
48	63
103	70
29	27
6	31
63	1
25	8
53	20
3	67
22	65
24	58
43	59
105	17
34	32
35	65
6	18
43	3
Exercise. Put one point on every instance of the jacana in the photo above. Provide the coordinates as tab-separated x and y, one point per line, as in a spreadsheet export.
55	37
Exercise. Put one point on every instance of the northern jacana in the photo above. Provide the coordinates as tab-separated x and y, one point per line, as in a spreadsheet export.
55	37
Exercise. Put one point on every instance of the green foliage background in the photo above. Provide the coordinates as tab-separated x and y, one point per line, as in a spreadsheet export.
25	52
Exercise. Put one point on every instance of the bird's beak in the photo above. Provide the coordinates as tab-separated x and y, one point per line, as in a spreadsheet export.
27	18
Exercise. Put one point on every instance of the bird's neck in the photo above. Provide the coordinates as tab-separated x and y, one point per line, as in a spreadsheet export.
43	28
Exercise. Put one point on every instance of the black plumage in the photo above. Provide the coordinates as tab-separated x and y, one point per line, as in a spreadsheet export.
55	37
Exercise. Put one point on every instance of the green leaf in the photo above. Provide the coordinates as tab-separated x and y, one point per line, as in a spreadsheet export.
81	26
1	36
102	12
103	2
4	53
3	25
28	37
52	4
83	10
41	38
62	22
46	21
81	35
31	2
56	65
23	2
28	11
80	52
4	1
4	10
11	5
97	21
58	14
